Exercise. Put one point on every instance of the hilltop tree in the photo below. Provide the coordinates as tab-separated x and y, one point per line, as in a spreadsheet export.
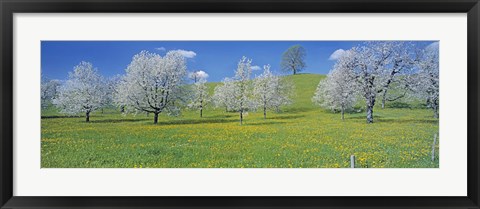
270	92
428	78
153	84
200	95
293	60
49	90
338	90
84	91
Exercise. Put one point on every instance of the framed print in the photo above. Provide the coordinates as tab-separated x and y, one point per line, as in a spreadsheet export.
161	104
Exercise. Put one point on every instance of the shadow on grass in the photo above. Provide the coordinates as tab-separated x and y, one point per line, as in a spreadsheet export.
405	121
398	105
205	120
296	110
120	120
357	117
195	121
70	116
219	116
60	116
284	117
379	119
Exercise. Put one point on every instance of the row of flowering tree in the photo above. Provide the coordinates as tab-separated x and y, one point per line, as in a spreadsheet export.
374	69
154	84
241	94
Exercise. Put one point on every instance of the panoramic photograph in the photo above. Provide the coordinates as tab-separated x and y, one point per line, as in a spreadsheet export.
240	104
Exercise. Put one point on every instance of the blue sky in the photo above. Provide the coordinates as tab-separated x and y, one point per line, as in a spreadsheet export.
217	58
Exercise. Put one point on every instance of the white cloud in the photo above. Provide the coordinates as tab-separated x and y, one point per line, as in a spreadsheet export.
200	74
161	48
256	67
187	54
337	54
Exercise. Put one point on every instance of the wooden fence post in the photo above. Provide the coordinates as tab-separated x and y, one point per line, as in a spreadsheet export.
433	146
352	161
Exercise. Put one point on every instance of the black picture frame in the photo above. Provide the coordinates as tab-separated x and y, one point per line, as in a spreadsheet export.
9	7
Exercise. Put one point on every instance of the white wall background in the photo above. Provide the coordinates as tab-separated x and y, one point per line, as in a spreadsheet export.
448	180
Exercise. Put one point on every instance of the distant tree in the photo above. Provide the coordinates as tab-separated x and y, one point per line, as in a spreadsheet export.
428	85
223	94
49	90
84	91
338	90
241	100
200	96
153	84
293	60
270	91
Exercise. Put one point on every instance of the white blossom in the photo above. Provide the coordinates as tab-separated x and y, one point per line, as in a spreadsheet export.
48	90
270	91
223	94
337	92
427	85
200	97
371	62
242	88
154	84
84	91
398	71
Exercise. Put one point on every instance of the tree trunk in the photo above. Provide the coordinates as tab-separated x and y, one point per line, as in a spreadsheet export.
343	111
264	112
384	98
241	117
201	108
155	118
87	116
369	113
370	104
435	111
122	109
294	71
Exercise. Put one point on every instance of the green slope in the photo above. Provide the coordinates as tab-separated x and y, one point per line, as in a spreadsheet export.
305	86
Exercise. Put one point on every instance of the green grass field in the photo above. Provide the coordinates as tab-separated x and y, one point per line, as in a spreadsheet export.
301	136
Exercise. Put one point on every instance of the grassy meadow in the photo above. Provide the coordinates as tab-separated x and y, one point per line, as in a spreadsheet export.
302	135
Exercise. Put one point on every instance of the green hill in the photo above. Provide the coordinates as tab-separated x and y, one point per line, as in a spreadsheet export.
305	86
